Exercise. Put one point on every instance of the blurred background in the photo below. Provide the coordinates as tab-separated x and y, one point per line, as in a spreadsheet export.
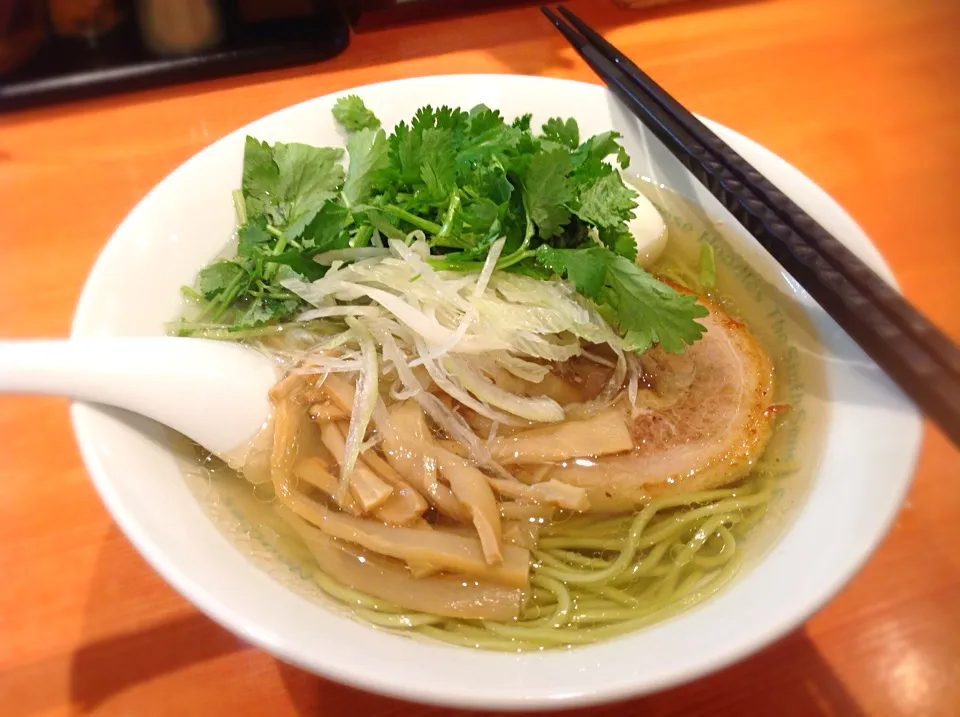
58	50
100	99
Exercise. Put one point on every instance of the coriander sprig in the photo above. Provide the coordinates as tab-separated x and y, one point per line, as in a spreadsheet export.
463	178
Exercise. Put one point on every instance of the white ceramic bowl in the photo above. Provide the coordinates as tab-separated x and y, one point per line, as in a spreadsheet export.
865	466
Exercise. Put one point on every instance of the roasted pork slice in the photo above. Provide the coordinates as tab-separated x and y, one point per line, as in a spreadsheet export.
703	419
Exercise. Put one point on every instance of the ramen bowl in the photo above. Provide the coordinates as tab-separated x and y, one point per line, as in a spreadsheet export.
851	439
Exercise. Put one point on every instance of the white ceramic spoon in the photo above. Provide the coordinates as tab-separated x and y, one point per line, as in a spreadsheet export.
213	392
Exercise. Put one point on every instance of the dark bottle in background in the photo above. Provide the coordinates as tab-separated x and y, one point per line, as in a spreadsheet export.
179	27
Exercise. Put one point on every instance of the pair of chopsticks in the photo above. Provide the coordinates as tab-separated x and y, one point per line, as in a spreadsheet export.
922	360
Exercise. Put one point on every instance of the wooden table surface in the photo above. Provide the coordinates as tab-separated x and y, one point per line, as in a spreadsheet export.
861	95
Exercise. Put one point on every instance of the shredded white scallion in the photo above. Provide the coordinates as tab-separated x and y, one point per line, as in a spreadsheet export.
364	401
462	328
633	384
540	409
451	388
488	266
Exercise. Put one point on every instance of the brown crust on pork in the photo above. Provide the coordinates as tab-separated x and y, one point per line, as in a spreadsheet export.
696	434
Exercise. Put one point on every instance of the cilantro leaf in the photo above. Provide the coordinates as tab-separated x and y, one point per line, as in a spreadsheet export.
260	174
300	262
423	118
287	183
646	310
308	176
405	153
649	311
546	191
437	167
481	147
265	309
608	202
599	147
325	231
480	215
522	122
252	236
218	277
484	119
453	119
489	182
354	115
586	268
619	240
368	153
566	133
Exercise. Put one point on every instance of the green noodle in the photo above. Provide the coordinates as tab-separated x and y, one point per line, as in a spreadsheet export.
558	617
616	595
673	554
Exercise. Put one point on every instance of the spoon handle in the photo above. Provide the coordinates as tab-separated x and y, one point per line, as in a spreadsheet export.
98	370
213	392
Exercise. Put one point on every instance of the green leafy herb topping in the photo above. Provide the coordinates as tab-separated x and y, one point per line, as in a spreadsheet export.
464	179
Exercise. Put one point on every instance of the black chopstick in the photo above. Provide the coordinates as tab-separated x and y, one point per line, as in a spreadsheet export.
870	284
912	352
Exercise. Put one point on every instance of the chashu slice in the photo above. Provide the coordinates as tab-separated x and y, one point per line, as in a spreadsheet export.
704	419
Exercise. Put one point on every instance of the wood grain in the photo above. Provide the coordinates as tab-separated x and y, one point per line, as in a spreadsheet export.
861	95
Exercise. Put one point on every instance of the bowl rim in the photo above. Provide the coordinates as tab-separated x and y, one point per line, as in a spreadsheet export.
221	611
